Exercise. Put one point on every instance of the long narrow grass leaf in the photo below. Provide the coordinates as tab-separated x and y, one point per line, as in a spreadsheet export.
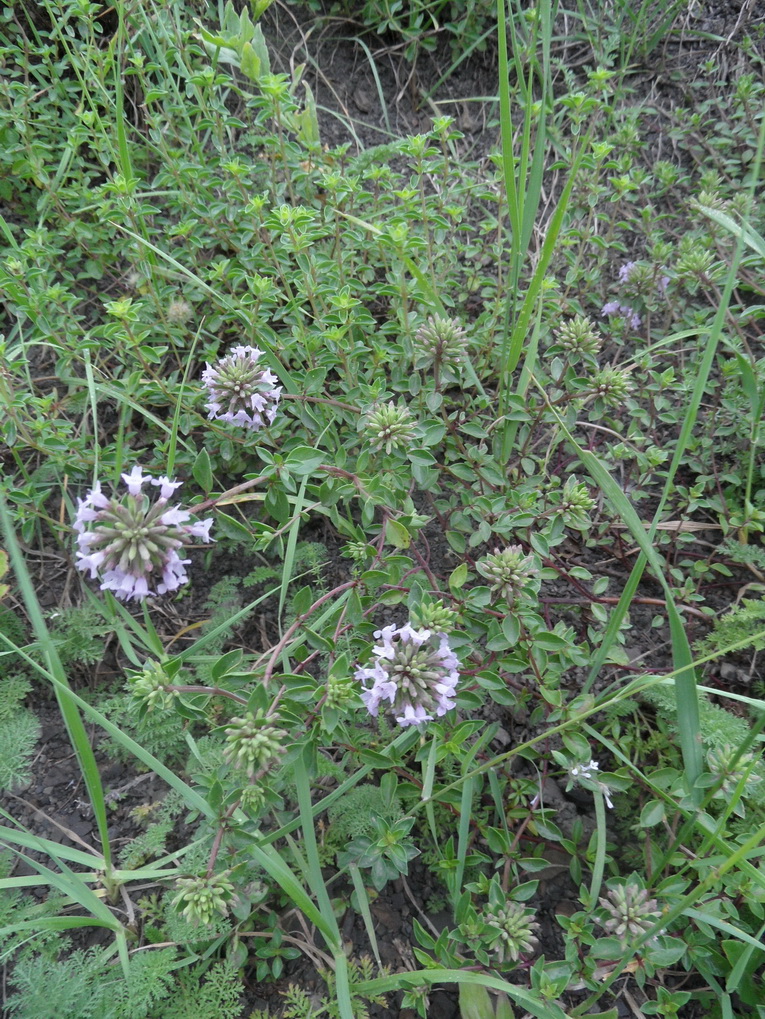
66	699
415	978
273	864
685	681
366	914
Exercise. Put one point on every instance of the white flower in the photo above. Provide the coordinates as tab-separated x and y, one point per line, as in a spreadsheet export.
584	770
588	773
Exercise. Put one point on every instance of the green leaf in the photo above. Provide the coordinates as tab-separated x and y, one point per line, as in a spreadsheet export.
511	628
652	813
226	663
202	471
458	577
433	433
747	965
526	999
421	457
374	760
249	62
396	534
303	460
67	700
577	744
475	1002
231	527
667	952
277	504
259	7
302	600
316	640
607	948
505	1009
525	891
307	121
550	641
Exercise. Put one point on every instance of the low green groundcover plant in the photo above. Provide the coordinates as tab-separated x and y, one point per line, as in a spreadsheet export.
472	497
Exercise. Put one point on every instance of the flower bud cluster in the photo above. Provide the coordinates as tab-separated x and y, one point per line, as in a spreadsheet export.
434	616
576	503
612	386
579	337
200	898
509	571
440	341
252	743
390	427
515	926
341	691
631	912
150	687
728	767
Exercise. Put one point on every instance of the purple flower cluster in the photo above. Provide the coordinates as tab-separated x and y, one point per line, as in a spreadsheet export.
413	671
641	281
240	390
626	271
629	314
132	543
631	269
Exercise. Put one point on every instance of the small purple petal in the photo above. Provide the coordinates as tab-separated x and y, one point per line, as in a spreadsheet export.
201	529
168	486
173	574
413	716
135	480
90	562
626	271
174	516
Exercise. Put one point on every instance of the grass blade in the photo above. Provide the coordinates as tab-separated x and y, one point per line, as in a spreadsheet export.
685	680
66	699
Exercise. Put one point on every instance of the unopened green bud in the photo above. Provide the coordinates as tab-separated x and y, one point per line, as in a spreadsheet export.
200	898
252	743
390	427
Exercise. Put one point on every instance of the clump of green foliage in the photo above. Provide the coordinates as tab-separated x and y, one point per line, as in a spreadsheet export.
356	813
19	732
741	628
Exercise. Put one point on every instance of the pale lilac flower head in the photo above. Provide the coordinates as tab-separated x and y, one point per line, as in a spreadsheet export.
626	271
624	310
240	390
131	544
413	671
